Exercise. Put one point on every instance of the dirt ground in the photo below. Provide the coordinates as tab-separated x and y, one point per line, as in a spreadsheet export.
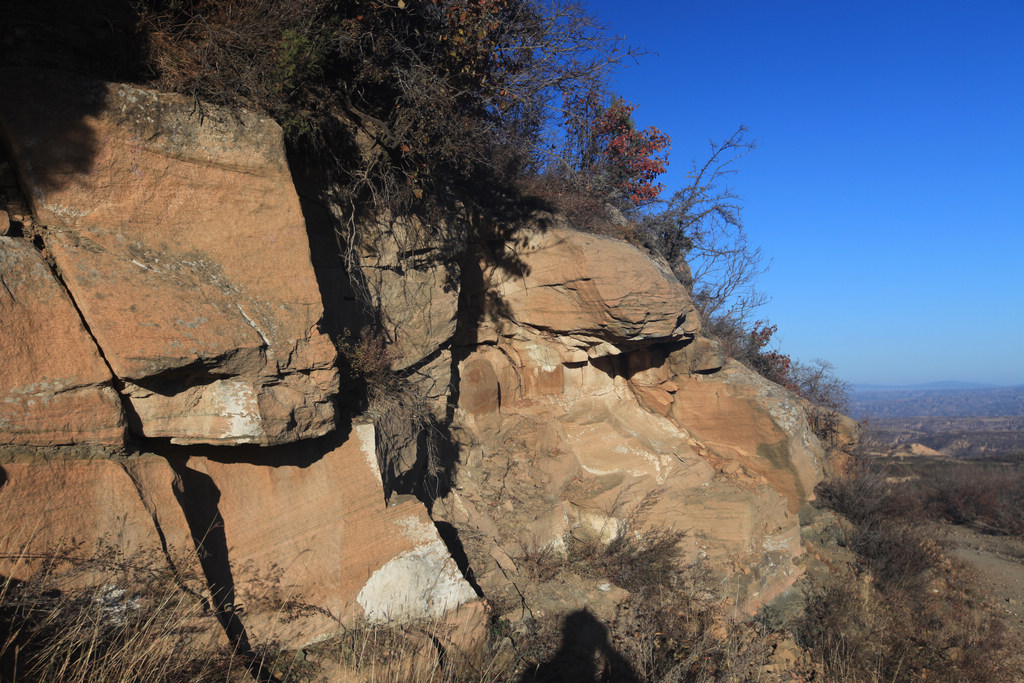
999	563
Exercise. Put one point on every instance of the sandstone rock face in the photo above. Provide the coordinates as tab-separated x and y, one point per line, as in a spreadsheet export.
593	293
586	408
568	374
180	238
350	553
415	288
86	508
750	410
303	547
54	386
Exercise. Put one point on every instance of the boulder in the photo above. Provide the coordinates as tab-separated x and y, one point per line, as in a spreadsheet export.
703	355
92	511
318	541
54	386
756	424
552	446
596	294
180	237
587	407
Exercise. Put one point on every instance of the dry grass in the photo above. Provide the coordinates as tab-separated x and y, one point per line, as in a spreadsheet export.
860	631
107	619
416	652
903	610
672	626
111	619
584	209
986	495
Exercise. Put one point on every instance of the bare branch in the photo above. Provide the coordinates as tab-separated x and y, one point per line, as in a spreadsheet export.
701	234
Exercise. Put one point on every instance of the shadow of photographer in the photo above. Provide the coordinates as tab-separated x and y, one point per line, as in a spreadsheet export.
586	655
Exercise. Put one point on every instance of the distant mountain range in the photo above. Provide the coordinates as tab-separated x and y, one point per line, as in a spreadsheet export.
949	384
936	399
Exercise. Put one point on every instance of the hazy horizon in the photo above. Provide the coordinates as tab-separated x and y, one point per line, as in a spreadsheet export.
939	384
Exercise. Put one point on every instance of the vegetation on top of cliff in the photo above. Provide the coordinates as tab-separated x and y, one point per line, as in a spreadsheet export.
452	111
412	106
408	104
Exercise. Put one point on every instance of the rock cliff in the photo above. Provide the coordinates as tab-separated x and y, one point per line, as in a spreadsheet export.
587	394
158	288
183	246
168	386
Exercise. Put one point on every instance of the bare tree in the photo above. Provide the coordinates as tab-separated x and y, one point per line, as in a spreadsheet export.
828	395
818	383
701	234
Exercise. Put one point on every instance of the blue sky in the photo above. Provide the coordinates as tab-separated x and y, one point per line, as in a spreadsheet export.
888	187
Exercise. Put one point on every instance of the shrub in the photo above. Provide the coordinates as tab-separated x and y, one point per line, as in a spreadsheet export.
605	155
365	361
859	632
672	626
827	394
409	103
904	610
988	496
678	630
581	209
700	233
750	347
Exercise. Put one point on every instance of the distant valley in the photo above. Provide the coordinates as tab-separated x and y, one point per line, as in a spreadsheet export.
957	422
928	402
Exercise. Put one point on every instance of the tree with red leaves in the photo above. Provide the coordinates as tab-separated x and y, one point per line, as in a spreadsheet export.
605	155
631	158
773	365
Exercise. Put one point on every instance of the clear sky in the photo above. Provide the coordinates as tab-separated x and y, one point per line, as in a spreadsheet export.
888	188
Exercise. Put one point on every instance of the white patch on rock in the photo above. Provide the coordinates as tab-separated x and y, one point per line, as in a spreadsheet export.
253	325
63	211
368	445
543	357
237	402
783	542
418	531
421	583
604	527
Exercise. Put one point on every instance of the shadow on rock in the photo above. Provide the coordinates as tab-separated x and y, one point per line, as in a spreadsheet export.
199	499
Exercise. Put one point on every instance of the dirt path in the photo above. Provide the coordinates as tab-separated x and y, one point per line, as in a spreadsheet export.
999	562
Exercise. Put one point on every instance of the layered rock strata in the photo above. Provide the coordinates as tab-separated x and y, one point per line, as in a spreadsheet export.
588	407
54	387
162	282
179	235
158	275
